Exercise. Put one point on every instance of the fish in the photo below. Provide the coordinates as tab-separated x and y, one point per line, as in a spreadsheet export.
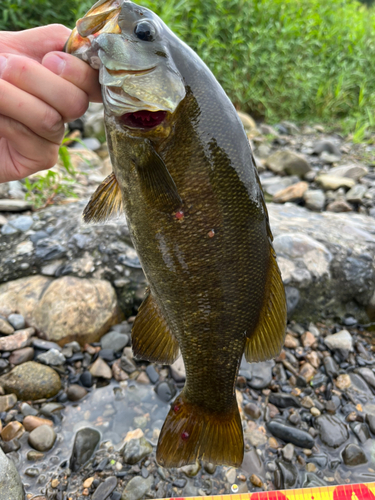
185	177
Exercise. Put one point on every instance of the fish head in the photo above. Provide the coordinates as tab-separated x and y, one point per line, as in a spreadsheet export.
141	85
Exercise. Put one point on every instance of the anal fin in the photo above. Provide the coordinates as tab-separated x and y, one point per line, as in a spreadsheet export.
152	338
267	340
105	203
191	432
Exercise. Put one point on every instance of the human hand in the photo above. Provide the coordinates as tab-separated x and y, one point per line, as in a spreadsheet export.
40	90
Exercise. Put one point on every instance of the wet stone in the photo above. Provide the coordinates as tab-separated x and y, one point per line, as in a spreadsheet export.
289	474
178	371
34	456
85	443
261	374
100	369
368	375
53	357
17	340
340	340
5	327
12	430
114	340
137	488
353	455
370	419
4	364
20	356
136	449
107	354
86	379
330	366
17	321
361	431
333	432
42	438
282	400
298	437
105	489
76	392
10	446
7	402
152	374
252	410
359	384
166	391
31	422
26	410
45	345
10	482
288	452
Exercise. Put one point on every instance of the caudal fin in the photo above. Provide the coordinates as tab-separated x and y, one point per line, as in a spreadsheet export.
189	432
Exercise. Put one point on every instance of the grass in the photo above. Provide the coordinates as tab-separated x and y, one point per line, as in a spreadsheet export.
301	60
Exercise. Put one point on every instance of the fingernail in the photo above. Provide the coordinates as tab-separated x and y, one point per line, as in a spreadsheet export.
54	63
3	63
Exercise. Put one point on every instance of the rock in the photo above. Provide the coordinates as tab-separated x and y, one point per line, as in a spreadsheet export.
117	372
333	432
356	193
339	340
330	366
17	340
289	474
17	321
26	410
152	374
288	452
258	375
165	390
14	205
307	371
52	358
291	342
339	206
326	146
361	431
85	443
114	340
31	422
7	402
314	199
256	481
137	488
5	327
282	400
288	162
20	356
252	464
42	438
105	489
308	339
136	449
368	375
248	123
178	371
11	431
31	381
291	193
274	184
353	455
359	385
76	392
328	181
355	172
290	434
100	369
10	482
252	410
77	309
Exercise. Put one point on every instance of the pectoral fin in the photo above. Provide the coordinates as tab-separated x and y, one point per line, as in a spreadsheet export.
157	183
152	338
105	203
268	338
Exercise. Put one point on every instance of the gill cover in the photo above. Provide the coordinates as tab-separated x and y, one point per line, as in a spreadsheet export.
128	44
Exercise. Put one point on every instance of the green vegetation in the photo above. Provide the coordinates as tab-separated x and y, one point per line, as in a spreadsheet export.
278	59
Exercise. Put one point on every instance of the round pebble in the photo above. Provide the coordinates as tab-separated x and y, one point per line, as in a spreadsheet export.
42	438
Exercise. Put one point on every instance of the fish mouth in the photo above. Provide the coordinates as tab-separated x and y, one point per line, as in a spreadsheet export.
143	119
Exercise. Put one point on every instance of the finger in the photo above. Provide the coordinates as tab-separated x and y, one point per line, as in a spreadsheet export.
28	75
35	42
75	71
22	151
38	116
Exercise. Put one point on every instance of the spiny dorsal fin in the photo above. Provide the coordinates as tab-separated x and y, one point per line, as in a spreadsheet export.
105	203
152	338
268	338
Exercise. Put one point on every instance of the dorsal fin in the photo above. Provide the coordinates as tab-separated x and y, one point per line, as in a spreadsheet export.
105	203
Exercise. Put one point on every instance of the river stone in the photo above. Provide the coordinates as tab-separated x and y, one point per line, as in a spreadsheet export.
17	340
355	172
252	464
289	473
76	392
10	482
77	309
288	162
178	371
100	369
356	193
326	146
105	489
339	340
31	381
332	431
258	375
136	449
282	400
85	443
137	488
114	340
315	199
291	193
368	375
5	327
353	455
7	402
17	321
328	181
52	358
42	438
290	434
247	121
274	184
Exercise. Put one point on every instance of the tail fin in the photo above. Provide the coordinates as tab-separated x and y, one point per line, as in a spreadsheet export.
190	432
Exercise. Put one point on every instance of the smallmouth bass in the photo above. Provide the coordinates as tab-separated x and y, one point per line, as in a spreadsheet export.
184	174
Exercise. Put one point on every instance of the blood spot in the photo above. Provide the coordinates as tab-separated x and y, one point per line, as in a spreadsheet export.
176	408
185	436
179	215
211	233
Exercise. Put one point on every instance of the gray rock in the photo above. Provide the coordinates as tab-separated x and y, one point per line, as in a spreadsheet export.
274	184
17	321
7	402
258	375
252	410
353	455
114	340
10	482
329	158
136	449
289	434
333	432
339	340
76	392
288	162
137	488
14	205
355	172
5	327
326	146
52	358
288	452
85	443
42	438
90	142
356	193
105	489
252	464
315	199
289	474
330	366
8	229
359	384
368	375
178	371
26	410
22	223
282	400
361	431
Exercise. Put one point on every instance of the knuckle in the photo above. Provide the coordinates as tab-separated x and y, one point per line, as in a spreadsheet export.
79	106
52	122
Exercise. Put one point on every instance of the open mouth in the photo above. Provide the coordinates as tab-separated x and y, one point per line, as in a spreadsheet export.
143	119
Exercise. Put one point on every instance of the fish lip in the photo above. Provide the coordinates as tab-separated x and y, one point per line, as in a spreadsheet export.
135	119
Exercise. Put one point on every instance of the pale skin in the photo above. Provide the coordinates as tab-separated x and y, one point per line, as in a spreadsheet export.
41	88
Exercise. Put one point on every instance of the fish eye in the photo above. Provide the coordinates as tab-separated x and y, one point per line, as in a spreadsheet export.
145	31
